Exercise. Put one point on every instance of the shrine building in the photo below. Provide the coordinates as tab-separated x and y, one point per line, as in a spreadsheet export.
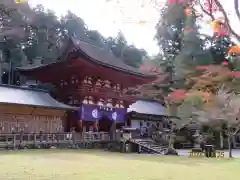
144	113
30	111
92	79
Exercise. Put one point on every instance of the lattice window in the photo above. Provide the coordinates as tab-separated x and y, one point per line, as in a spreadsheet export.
53	125
41	123
59	124
6	127
46	126
35	123
30	124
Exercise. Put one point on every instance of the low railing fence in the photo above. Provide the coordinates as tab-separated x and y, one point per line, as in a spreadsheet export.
31	140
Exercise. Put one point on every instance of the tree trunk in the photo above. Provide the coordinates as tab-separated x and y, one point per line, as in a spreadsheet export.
221	140
230	145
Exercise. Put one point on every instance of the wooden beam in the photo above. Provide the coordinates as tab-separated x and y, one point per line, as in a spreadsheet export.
29	110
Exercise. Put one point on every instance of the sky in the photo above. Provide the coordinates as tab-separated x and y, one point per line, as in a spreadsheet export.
110	16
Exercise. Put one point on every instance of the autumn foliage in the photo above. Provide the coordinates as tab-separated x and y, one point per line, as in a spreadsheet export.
205	82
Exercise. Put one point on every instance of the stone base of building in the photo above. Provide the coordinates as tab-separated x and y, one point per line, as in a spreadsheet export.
54	140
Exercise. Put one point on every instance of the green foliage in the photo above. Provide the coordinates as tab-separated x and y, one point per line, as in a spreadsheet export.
195	101
129	54
45	37
180	43
169	34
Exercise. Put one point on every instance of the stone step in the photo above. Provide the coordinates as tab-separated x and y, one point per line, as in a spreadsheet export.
150	145
158	149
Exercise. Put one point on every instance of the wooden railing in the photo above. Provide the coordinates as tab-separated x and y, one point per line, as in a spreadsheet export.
105	92
51	139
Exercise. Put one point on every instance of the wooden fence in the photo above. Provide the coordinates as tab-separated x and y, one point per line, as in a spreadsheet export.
46	140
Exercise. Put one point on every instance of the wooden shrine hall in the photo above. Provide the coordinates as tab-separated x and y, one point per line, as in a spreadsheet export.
144	113
30	111
92	79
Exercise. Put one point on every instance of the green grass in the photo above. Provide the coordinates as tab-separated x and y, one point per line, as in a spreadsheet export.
97	165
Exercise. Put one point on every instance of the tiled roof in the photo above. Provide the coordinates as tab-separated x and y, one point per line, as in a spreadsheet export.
147	107
104	57
30	97
97	55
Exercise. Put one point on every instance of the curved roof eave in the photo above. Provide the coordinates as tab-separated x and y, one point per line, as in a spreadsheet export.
95	55
30	97
147	107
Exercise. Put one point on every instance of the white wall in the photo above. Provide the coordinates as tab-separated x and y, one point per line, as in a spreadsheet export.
135	123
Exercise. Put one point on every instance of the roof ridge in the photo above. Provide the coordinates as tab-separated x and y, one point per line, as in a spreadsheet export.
108	59
102	48
110	52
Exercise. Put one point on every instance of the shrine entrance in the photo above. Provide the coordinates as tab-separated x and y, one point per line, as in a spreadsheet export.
105	124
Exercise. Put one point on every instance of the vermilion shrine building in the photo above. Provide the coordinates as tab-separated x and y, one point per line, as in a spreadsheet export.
92	79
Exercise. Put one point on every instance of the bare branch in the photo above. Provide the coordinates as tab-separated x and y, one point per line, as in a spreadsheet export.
227	19
236	6
210	14
225	110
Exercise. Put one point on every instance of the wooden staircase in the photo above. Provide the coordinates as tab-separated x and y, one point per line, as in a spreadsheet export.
149	146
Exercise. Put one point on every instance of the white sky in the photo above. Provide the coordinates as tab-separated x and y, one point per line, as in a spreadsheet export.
110	17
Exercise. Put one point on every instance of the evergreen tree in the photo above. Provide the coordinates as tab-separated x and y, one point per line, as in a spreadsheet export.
179	40
191	53
219	51
169	34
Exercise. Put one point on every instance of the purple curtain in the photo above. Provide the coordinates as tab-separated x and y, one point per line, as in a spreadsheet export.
89	112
